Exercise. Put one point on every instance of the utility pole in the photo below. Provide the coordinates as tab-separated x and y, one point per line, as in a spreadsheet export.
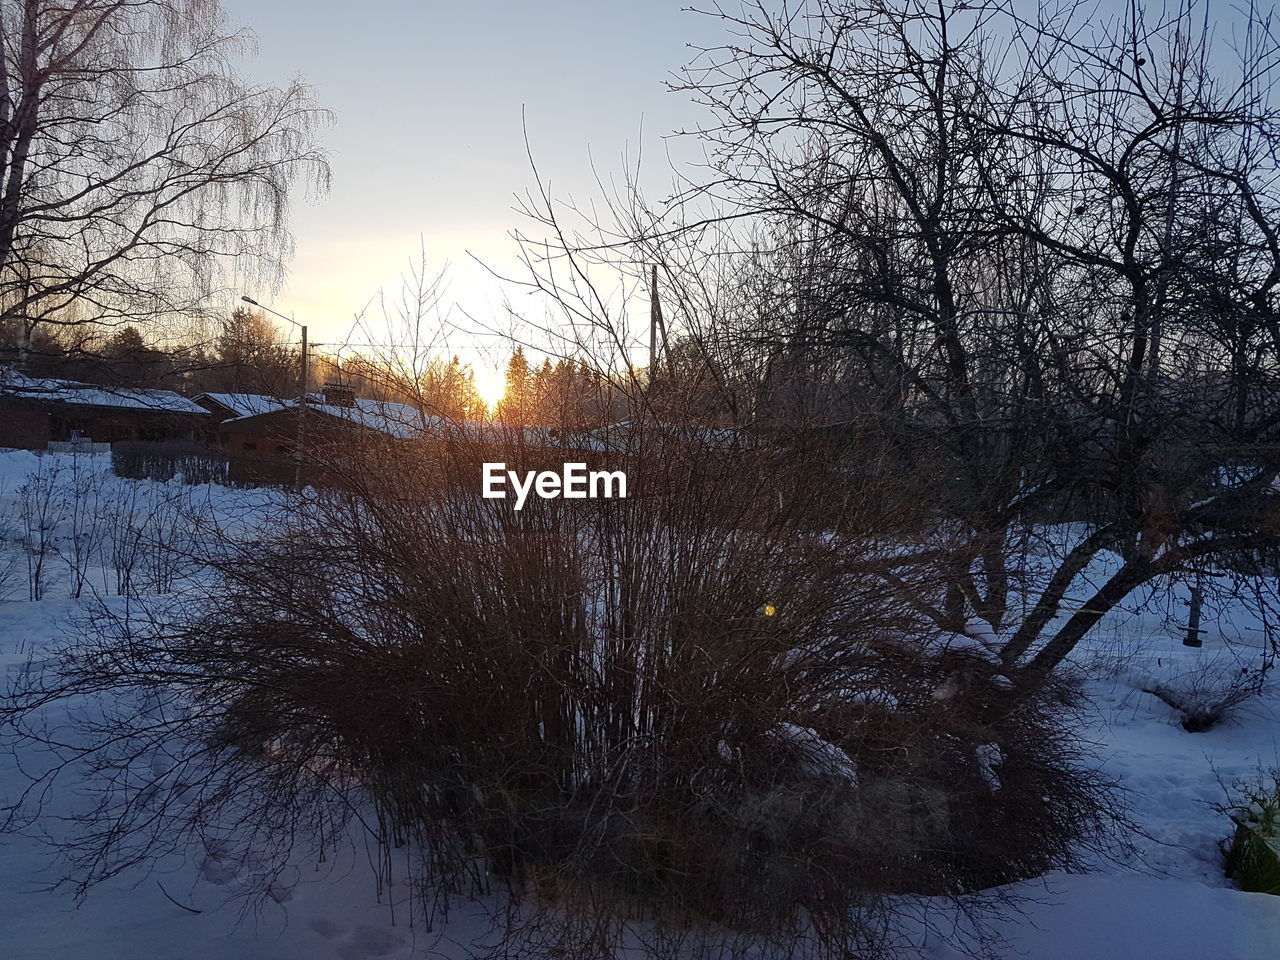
655	321
303	377
302	412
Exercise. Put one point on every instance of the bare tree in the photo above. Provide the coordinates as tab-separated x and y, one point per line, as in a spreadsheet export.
1043	255
136	167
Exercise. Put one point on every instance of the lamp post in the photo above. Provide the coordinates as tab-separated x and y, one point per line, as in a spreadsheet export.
302	377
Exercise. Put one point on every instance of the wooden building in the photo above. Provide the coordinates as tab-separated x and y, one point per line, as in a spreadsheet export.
261	446
35	412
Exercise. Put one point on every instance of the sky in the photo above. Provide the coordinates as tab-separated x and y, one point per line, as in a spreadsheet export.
427	147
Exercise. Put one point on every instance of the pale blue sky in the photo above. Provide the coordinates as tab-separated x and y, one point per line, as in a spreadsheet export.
428	141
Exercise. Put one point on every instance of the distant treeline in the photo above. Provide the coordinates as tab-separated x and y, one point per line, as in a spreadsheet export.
250	354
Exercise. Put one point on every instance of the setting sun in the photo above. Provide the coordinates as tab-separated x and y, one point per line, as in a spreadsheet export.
491	385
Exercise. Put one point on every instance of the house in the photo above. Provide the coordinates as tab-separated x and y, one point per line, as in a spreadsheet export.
260	434
231	406
38	411
226	406
261	438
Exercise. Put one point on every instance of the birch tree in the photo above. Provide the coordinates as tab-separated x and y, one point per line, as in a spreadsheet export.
138	171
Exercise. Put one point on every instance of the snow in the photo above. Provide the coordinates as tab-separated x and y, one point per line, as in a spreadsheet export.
978	639
1167	900
403	421
818	757
874	697
13	383
1136	917
398	420
990	756
245	404
980	630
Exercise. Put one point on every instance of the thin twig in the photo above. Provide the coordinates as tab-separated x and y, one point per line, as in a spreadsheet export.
175	902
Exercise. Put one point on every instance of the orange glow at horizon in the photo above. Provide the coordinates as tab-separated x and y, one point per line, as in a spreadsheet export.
491	385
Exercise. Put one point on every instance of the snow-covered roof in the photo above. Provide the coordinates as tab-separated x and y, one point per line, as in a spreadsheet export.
488	431
15	384
404	421
618	435
398	420
245	404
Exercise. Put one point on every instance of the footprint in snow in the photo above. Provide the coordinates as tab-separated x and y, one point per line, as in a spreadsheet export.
329	929
377	941
218	872
368	942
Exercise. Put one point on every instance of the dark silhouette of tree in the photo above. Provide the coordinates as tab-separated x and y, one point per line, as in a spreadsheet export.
1033	278
127	360
1057	286
517	399
135	165
253	356
448	390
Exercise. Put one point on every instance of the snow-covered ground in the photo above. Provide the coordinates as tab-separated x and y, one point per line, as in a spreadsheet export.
1167	900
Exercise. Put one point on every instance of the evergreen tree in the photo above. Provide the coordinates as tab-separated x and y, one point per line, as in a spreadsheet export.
516	401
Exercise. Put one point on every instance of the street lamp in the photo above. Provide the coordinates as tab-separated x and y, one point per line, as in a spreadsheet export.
302	399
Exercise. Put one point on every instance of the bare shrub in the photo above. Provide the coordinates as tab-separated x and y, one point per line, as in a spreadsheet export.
81	543
11	552
194	462
42	506
125	535
1252	857
584	700
1206	695
167	536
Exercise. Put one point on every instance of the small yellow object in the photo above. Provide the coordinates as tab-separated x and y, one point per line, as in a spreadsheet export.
770	610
